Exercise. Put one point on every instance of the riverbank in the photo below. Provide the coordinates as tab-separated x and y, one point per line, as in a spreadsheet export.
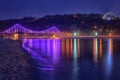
13	61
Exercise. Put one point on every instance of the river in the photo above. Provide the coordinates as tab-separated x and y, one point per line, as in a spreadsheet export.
74	59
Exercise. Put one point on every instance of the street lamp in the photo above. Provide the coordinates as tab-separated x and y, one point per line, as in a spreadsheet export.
96	33
74	34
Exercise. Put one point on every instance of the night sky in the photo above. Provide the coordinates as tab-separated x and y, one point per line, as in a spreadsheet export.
39	8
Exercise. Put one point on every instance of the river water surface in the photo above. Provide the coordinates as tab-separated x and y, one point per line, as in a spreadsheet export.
74	59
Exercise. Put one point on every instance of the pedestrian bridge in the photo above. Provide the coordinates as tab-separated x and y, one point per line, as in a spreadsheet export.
18	31
17	28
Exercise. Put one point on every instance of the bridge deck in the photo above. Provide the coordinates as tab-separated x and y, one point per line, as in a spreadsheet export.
67	37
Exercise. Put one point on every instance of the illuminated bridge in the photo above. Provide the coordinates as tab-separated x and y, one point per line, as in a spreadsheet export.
18	30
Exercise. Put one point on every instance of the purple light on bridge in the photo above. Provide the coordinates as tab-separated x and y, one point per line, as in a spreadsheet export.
19	28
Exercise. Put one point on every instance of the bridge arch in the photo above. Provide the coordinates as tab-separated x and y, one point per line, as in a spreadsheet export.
109	16
19	28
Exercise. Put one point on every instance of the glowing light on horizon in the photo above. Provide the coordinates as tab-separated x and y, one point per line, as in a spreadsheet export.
75	34
96	33
54	36
16	36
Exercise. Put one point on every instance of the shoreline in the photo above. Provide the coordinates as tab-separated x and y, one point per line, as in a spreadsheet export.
14	62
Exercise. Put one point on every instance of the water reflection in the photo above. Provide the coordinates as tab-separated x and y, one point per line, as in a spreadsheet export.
75	54
75	57
56	50
95	50
78	47
67	47
101	50
72	59
46	51
70	47
109	60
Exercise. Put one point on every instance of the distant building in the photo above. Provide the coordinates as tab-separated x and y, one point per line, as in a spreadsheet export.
109	16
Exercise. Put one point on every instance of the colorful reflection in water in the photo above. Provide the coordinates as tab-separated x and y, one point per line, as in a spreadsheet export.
95	51
76	50
70	47
56	49
101	50
109	60
75	54
72	59
45	51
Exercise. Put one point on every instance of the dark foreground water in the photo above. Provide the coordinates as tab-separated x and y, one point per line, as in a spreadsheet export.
74	59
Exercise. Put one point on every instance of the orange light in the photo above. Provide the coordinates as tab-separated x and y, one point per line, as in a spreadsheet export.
95	50
71	47
67	47
111	46
100	48
110	34
54	36
16	36
63	46
78	47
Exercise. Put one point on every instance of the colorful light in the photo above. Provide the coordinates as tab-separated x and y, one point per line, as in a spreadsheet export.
75	55
75	49
44	49
101	50
16	36
75	34
95	50
110	34
20	28
96	33
109	61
